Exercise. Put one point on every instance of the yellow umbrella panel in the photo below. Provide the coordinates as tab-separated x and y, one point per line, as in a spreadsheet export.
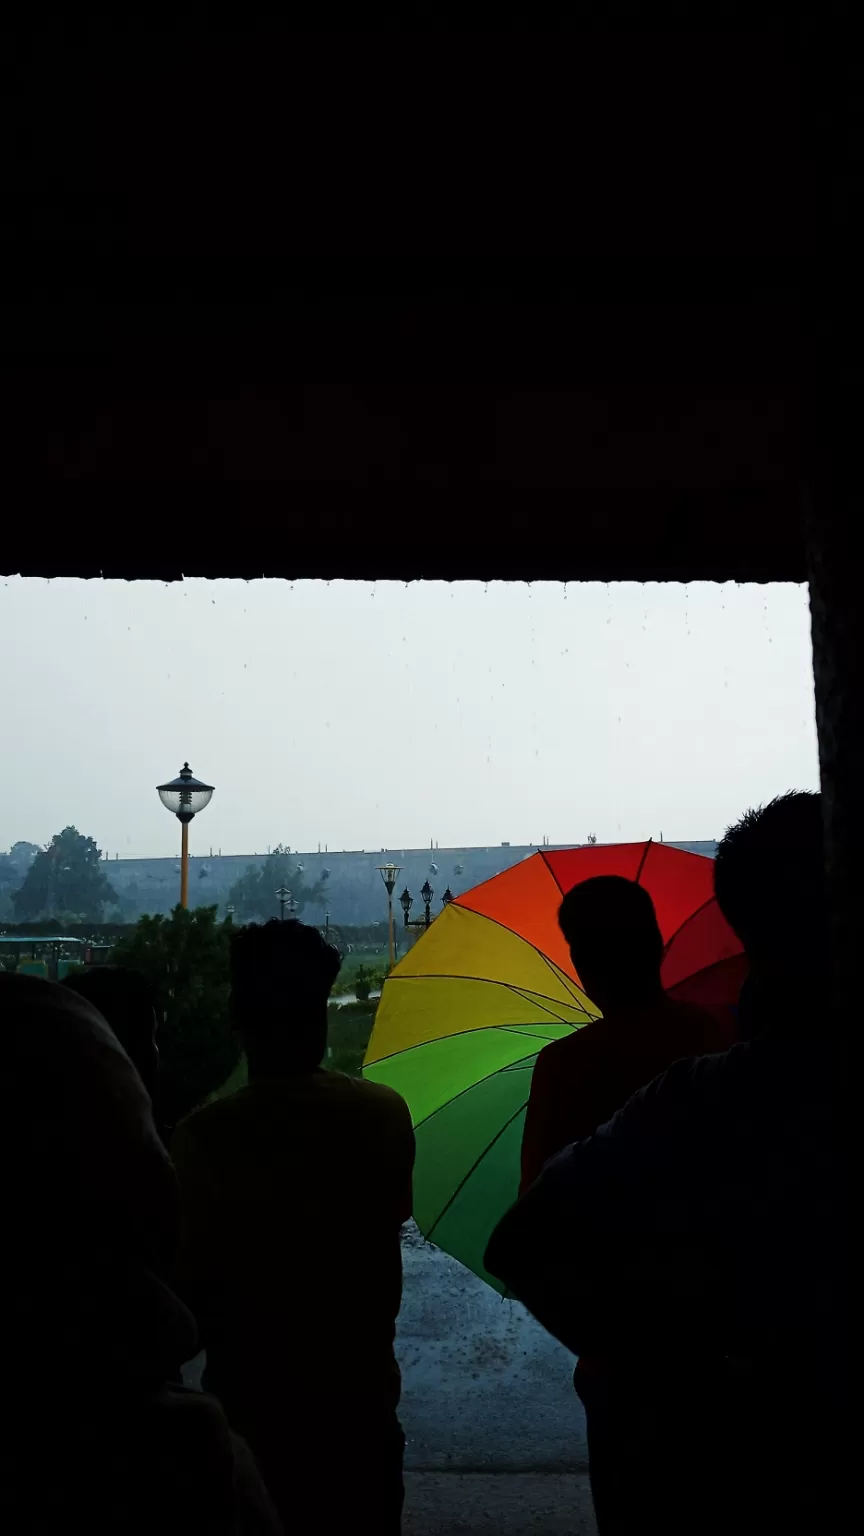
458	1029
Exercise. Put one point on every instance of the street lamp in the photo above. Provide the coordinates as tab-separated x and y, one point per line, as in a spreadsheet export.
184	797
389	874
285	899
426	896
229	912
327	923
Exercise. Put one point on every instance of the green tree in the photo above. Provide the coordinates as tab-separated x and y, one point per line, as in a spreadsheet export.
253	896
185	959
21	855
13	867
64	878
10	879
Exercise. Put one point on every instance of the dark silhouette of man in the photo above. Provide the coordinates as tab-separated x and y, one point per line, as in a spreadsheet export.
578	1083
98	1435
700	1228
295	1190
125	1000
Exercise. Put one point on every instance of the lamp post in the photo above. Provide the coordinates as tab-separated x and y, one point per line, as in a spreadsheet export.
184	797
229	912
327	923
389	874
426	896
285	899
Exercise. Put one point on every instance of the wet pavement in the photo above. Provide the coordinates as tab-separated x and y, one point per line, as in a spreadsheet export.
483	1386
495	1433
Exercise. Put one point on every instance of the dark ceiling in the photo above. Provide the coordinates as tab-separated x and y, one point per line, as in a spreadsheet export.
403	304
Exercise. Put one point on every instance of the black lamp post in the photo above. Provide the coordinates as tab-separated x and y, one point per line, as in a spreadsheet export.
426	896
184	797
285	899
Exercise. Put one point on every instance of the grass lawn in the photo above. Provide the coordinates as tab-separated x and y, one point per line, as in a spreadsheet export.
374	960
349	1031
349	1028
373	965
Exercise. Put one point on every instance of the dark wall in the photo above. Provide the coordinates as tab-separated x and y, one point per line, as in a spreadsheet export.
353	890
393	303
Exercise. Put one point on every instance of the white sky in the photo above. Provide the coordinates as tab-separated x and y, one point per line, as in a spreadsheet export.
371	715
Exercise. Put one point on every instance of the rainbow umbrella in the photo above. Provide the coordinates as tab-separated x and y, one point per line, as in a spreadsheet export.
463	1016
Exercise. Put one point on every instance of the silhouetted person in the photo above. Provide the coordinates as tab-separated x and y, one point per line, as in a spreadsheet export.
295	1190
125	1000
699	1229
579	1082
98	1436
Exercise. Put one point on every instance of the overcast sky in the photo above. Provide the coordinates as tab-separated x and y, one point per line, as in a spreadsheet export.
364	716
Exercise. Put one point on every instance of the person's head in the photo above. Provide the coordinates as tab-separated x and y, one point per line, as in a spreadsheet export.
769	880
281	976
615	944
95	1185
125	1000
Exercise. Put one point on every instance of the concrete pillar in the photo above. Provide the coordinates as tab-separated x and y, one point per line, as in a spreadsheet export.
832	413
837	615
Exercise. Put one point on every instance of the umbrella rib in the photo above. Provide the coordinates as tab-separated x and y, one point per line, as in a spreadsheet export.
527	995
704	969
523	1030
552	872
645	851
492	981
477	1081
458	1034
473	1169
560	887
556	972
680	929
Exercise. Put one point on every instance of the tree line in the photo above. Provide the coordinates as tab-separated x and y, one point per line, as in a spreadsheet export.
66	881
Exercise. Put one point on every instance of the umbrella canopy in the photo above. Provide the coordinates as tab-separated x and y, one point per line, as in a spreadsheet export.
463	1016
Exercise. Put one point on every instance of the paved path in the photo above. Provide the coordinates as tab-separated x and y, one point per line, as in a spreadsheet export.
495	1433
497	1504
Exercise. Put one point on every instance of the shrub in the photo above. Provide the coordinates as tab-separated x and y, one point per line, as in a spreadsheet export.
185	959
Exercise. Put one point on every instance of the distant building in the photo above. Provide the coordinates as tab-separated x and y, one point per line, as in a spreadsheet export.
353	892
